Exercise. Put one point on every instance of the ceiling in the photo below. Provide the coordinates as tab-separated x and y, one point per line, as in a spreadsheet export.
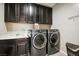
47	4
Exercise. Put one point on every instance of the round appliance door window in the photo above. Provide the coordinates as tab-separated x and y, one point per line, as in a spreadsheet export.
39	41
54	39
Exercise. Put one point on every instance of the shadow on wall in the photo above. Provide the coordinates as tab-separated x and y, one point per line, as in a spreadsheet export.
2	24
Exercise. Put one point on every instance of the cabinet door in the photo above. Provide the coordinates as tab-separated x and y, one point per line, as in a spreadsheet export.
21	48
28	13
23	8
36	8
44	16
11	48
12	51
6	12
41	14
3	48
49	15
11	12
31	13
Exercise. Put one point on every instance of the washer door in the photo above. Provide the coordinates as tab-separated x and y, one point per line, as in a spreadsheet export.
54	38
39	41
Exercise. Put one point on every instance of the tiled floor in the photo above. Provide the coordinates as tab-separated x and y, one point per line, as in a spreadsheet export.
59	54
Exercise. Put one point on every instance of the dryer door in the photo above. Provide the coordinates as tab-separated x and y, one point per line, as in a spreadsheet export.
39	41
54	38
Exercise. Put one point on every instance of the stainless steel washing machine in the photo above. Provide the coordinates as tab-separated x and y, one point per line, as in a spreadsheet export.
53	41
38	42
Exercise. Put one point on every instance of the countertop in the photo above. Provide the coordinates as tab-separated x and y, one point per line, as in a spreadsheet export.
14	35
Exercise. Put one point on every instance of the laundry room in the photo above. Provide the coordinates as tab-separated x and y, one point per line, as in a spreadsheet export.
39	29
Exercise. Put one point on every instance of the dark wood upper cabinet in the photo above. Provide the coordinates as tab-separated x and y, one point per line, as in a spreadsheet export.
44	16
37	14
28	13
11	12
40	14
31	13
23	13
6	12
49	15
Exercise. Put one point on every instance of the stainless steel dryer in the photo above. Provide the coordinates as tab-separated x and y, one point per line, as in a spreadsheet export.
53	41
38	42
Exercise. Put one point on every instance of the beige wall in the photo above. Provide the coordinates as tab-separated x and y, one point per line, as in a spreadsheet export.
69	29
19	26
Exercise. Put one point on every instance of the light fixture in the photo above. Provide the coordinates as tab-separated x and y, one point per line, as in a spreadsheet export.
36	26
